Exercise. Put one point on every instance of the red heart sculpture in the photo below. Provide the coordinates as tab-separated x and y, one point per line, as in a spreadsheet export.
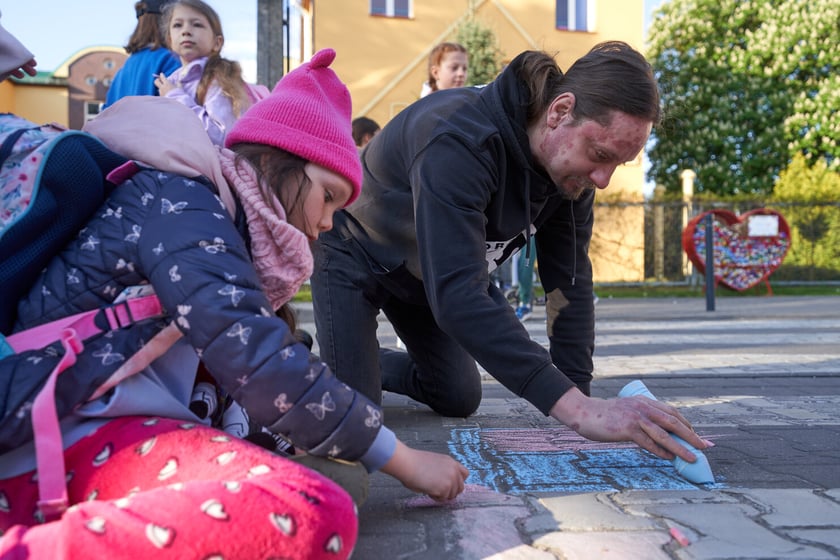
745	253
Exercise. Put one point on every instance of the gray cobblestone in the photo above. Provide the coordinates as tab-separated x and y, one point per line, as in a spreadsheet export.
760	377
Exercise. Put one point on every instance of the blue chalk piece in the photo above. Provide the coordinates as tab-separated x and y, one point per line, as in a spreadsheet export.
698	472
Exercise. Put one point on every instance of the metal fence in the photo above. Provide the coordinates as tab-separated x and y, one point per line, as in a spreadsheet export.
813	256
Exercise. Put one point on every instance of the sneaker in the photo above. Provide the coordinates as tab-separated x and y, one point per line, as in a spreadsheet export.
523	312
236	421
204	401
271	441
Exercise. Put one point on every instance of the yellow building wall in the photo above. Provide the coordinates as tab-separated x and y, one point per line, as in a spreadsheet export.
39	104
383	61
7	93
46	98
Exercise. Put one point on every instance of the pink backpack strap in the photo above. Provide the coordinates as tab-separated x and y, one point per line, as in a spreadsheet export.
49	447
116	316
124	172
72	331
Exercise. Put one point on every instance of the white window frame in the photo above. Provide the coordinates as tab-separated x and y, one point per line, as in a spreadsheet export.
571	10
390	9
90	106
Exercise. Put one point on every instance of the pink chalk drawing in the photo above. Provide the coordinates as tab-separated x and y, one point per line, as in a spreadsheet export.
473	495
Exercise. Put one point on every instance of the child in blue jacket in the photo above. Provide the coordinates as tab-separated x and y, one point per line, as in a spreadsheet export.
147	55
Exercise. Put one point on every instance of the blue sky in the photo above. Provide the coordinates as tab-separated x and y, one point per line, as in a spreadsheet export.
55	29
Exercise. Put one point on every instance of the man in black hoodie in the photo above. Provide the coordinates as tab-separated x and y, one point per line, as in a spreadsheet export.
453	186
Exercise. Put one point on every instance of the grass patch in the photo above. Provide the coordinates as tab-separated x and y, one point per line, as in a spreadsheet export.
304	294
659	291
608	291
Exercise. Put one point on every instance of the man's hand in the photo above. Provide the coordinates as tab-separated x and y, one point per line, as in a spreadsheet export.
440	476
646	422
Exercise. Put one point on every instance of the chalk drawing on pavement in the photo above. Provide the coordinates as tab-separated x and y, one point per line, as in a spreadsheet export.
534	460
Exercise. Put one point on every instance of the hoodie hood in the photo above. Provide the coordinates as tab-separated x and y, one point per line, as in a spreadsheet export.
507	99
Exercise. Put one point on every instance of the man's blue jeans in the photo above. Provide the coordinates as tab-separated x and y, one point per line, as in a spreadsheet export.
347	295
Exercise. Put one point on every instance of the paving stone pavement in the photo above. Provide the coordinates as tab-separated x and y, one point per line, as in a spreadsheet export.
758	376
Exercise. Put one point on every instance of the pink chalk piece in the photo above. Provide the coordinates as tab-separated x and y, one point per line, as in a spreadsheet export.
424	501
679	537
471	493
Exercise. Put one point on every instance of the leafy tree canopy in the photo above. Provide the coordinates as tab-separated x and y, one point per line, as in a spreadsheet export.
808	196
746	84
484	54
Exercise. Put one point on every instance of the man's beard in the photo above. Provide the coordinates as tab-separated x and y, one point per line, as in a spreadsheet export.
575	187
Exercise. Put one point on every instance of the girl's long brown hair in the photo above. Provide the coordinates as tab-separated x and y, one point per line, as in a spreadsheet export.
147	32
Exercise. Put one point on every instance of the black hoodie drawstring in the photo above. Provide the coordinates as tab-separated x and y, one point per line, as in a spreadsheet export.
528	235
527	231
574	241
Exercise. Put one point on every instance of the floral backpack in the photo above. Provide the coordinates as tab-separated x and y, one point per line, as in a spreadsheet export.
52	180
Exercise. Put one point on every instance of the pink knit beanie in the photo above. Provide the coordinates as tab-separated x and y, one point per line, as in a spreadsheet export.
308	114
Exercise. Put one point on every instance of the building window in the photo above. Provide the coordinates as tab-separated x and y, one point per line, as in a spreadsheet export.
575	15
92	108
108	64
391	8
90	80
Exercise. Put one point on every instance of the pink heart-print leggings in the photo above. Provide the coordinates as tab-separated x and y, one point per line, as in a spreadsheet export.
167	489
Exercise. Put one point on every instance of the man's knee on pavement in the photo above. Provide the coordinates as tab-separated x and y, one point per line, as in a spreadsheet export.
458	405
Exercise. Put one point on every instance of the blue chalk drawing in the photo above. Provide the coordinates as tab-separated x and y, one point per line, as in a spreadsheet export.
520	461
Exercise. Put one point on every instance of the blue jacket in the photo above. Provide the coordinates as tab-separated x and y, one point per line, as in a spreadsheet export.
173	233
137	75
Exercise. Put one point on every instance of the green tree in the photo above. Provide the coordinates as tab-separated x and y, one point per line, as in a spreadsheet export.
483	48
745	85
807	196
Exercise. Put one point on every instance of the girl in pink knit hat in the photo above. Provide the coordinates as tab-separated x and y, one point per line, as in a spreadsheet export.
222	236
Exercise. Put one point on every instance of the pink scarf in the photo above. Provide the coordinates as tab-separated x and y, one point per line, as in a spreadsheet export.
279	250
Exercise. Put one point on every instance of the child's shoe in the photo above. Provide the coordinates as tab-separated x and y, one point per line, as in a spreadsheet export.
523	312
204	401
236	421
